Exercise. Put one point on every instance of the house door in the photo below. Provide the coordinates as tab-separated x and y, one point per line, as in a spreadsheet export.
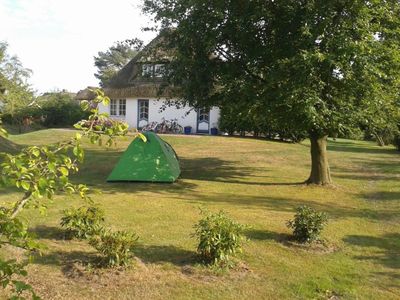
203	120
143	113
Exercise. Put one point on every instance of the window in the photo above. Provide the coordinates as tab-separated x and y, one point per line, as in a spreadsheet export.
143	106
113	107
159	70
122	107
118	107
203	115
147	70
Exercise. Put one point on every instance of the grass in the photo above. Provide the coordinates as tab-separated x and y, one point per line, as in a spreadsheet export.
258	183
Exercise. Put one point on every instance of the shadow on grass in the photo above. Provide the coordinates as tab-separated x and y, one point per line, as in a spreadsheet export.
63	258
386	252
392	279
382	196
283	204
202	169
49	232
289	242
213	169
263	235
75	264
346	146
218	170
165	254
373	169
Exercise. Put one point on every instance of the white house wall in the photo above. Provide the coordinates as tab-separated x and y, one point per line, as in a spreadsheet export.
185	116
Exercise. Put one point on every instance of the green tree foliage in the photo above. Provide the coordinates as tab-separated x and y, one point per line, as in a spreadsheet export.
15	92
58	109
243	118
383	121
55	109
318	66
109	62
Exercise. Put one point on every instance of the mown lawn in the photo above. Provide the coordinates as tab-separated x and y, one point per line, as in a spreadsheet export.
258	183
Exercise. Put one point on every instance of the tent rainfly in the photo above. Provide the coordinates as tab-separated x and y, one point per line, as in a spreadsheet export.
152	161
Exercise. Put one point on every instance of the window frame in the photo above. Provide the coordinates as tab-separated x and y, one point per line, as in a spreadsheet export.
153	70
159	70
146	103
113	107
204	115
147	70
122	107
118	107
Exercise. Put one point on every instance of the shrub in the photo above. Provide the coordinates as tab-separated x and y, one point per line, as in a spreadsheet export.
219	237
51	110
116	247
61	112
307	224
82	222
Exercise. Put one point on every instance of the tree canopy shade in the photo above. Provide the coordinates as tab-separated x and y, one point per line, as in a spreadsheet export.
313	65
118	55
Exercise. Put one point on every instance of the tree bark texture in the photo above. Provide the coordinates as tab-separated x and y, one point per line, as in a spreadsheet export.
320	172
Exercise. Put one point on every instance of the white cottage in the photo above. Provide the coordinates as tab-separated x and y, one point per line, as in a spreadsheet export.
135	96
138	110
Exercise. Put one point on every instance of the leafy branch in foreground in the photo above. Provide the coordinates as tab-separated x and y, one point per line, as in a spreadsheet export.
39	173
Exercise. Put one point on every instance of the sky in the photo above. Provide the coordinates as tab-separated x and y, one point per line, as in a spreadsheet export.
57	39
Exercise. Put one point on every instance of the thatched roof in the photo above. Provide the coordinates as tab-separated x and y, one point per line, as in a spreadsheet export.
128	82
141	91
130	74
138	91
86	94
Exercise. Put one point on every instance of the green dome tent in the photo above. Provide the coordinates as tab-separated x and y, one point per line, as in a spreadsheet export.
154	161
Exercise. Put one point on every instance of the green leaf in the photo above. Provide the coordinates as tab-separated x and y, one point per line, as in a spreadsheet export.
85	105
63	171
36	152
25	185
78	136
52	167
42	183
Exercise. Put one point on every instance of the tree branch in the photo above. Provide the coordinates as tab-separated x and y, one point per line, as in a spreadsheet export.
20	205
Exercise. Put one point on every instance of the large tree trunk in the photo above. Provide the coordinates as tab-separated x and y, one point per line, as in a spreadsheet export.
320	173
